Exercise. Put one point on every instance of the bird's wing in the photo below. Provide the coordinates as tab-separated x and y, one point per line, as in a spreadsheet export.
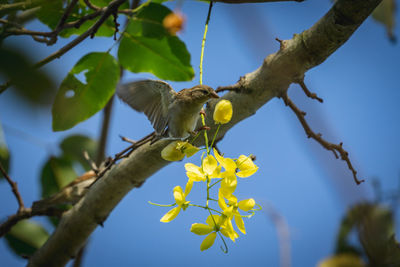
151	97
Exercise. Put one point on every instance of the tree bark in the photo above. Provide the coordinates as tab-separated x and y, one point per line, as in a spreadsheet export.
272	79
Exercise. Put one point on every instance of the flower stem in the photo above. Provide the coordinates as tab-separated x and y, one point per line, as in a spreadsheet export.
206	208
216	183
215	135
203	42
203	121
161	205
225	248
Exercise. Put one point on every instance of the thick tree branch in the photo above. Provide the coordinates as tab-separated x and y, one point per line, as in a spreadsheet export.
272	79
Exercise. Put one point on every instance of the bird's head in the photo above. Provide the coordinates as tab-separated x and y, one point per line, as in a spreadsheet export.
202	93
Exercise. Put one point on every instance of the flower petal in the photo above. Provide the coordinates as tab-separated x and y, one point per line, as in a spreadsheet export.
194	172
213	220
227	163
201	229
171	153
240	224
247	204
228	231
209	164
179	195
208	241
228	185
170	215
246	166
221	200
188	187
216	173
190	150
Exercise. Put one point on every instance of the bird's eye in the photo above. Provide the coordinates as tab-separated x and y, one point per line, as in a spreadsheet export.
205	92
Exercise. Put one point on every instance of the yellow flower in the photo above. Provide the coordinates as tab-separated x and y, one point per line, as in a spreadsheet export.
180	200
214	224
228	184
232	210
246	166
228	164
223	111
209	168
177	150
210	228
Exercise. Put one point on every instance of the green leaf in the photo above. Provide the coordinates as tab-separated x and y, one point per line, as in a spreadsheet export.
148	47
4	153
26	237
375	226
34	85
56	173
385	14
392	252
74	145
4	159
77	101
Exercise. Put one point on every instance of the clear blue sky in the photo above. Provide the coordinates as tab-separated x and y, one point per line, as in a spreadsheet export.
304	183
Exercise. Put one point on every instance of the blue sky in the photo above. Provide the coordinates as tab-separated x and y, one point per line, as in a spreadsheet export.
304	183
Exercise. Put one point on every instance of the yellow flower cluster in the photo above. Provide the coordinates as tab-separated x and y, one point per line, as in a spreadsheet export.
215	170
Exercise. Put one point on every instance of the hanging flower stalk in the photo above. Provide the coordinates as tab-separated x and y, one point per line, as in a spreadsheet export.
220	174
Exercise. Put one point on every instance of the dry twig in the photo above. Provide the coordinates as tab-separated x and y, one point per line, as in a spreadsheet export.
344	155
308	93
14	188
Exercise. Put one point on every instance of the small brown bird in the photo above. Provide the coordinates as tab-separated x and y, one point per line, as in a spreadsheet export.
173	114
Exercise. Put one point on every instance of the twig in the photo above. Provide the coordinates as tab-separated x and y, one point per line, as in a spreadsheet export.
91	6
7	8
90	32
62	21
308	93
317	137
104	132
14	188
25	214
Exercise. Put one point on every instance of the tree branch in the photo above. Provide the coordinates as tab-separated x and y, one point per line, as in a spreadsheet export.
26	213
7	8
14	188
303	52
317	137
111	8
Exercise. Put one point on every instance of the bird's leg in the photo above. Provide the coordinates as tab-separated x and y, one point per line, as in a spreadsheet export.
201	128
202	112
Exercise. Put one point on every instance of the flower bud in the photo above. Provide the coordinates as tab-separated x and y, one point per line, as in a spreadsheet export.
247	204
223	111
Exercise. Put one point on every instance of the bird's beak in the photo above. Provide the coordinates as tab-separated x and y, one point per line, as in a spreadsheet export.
214	94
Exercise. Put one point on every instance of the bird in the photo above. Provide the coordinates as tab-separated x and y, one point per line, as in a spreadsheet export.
174	115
